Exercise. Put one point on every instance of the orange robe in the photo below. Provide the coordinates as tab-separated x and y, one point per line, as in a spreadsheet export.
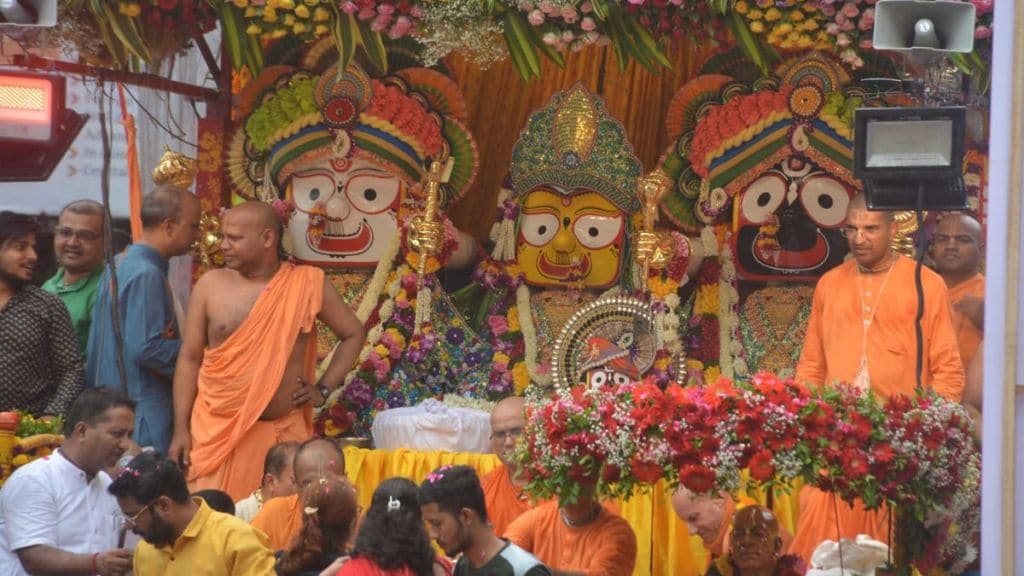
832	352
238	379
505	502
604	547
281	520
968	336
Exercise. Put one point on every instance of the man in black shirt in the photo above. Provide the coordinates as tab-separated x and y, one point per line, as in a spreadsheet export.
40	363
453	507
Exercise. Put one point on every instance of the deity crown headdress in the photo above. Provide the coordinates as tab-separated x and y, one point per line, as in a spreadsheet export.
601	352
404	120
574	144
176	169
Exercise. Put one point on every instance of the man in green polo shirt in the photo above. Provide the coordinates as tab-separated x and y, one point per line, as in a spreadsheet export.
78	242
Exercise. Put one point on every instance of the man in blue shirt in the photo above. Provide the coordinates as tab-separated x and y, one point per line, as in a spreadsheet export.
150	336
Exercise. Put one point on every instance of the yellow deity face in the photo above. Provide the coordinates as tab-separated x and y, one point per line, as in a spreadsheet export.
576	237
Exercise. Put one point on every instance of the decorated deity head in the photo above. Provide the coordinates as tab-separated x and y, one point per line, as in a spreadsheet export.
341	151
601	362
574	178
779	157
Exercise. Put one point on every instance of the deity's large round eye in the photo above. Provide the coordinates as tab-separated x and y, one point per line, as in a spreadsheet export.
538	229
763	197
372	194
596	232
310	188
825	200
620	379
598	378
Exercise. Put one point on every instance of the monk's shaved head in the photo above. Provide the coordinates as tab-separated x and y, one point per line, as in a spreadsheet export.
508	418
318	458
755	543
258	214
859	203
251	236
703	514
960	221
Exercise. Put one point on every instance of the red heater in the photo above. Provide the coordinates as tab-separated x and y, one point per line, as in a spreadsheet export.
35	127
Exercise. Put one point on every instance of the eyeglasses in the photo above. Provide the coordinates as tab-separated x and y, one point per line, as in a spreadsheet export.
67	232
131	520
852	231
502	435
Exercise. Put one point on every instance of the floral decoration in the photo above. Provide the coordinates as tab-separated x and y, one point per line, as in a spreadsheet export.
786	24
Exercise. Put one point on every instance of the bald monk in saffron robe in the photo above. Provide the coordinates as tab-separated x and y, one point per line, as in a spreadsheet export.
245	373
503	489
281	518
956	251
861	331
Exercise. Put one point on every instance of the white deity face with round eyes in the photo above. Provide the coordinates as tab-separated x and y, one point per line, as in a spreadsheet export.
346	212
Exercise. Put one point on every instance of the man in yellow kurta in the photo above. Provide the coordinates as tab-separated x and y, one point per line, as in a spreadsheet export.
861	331
182	536
244	379
956	251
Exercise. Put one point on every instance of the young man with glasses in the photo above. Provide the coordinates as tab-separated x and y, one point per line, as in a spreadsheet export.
181	534
78	243
40	362
56	516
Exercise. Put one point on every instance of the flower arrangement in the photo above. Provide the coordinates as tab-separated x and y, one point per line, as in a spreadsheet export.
306	20
786	24
914	453
675	20
32	438
396	19
850	24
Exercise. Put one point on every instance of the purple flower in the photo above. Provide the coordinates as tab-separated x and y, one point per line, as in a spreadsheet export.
396	399
454	336
473	358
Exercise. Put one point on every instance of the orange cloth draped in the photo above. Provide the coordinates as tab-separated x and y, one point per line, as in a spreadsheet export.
238	379
832	349
832	352
968	336
132	160
505	502
281	520
604	547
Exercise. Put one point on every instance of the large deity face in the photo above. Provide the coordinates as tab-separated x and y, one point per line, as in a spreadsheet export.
574	237
346	212
788	223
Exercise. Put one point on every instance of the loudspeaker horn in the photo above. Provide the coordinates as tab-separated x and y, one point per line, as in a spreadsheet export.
933	25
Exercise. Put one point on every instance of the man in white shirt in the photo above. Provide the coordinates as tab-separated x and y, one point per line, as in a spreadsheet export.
278	480
56	516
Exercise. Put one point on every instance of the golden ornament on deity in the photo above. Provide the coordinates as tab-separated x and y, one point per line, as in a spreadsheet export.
903	241
175	169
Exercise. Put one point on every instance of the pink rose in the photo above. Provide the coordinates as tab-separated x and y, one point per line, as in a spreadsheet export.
349	8
546	7
386	9
416	12
983	6
570	15
367	13
550	38
841	18
588	24
848	26
402	26
828	10
850	10
867	44
832	28
982	32
498	324
636	2
842	40
586	7
381	23
568	36
867	20
536	18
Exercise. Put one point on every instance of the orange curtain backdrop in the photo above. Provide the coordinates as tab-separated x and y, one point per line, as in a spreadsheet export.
132	160
500	103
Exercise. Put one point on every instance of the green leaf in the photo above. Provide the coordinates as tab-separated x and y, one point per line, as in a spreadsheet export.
373	45
346	36
537	37
759	54
517	36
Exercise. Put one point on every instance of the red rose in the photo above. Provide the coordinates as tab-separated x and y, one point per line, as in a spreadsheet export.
697	478
761	468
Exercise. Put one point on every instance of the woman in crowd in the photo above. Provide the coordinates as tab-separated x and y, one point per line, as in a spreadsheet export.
330	517
392	540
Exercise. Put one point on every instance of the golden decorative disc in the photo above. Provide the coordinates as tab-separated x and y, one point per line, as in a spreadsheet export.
175	169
